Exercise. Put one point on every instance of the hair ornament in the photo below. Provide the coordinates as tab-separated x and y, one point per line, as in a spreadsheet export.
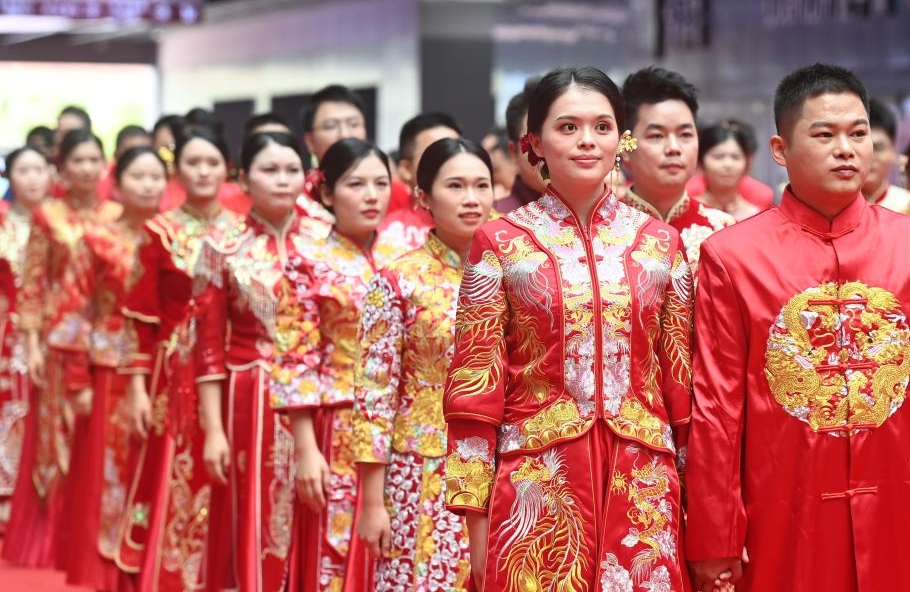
627	143
525	145
314	181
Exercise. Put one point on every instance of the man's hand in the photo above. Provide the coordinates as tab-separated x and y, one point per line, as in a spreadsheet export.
718	575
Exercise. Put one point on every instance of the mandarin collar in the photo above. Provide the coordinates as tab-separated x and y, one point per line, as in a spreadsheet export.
195	213
264	226
846	221
604	206
441	251
678	209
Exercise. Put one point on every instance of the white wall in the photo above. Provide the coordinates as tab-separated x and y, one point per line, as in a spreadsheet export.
298	50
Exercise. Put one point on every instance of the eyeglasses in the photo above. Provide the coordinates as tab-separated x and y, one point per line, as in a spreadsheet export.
333	125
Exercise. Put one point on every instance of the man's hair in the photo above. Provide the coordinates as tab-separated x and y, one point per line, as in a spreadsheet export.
881	116
262	119
517	108
501	140
198	117
334	93
77	112
42	134
653	85
127	132
420	123
810	82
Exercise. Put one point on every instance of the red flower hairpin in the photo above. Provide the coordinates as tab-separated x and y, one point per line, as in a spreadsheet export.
525	145
314	180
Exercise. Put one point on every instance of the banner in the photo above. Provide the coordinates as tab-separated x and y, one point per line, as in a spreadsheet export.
186	12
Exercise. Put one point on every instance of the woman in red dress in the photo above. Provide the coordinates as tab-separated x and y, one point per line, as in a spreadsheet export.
30	177
407	334
53	303
568	394
316	348
163	536
249	450
103	464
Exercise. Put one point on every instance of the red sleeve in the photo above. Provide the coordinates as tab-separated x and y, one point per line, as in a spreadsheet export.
674	352
716	525
34	276
474	397
143	306
211	314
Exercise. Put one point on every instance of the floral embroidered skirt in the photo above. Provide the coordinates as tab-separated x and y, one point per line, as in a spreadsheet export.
429	544
37	530
14	394
597	513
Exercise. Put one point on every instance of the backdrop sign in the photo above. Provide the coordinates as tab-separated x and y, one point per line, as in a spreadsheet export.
158	11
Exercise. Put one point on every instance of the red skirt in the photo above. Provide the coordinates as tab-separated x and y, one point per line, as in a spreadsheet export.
163	537
252	517
98	482
594	513
37	520
328	557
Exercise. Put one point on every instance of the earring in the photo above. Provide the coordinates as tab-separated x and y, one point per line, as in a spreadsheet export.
545	172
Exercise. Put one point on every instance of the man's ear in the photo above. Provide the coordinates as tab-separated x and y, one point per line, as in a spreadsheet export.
405	172
778	146
244	182
308	140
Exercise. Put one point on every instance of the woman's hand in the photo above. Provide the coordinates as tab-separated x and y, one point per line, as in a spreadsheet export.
312	478
138	407
35	362
375	528
82	402
478	526
216	454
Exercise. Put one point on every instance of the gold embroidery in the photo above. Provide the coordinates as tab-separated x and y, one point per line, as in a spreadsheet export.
468	482
647	488
479	324
557	422
636	422
839	357
542	541
676	324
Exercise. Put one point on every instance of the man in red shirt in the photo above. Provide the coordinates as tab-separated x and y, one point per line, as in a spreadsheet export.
799	436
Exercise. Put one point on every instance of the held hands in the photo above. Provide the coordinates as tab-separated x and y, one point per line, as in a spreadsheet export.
216	454
718	575
138	407
374	527
312	478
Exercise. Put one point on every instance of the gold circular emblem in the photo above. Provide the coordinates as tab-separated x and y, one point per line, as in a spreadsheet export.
838	357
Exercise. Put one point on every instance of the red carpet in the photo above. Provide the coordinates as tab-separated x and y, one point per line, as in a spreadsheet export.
16	579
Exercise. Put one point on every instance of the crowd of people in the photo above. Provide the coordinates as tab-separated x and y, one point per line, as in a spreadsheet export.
586	352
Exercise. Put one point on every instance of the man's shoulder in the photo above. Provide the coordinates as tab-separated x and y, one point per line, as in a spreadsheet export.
751	233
